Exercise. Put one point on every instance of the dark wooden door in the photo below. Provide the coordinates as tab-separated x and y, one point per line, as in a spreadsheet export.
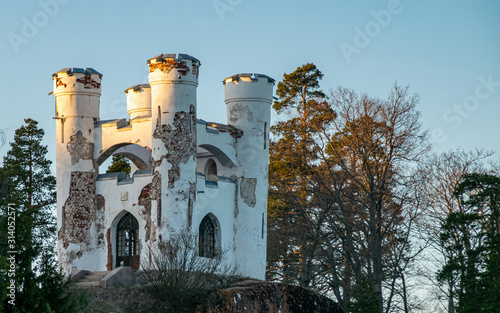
127	242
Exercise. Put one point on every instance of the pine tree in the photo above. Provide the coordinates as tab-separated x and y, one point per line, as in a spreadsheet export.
28	189
471	236
119	164
292	246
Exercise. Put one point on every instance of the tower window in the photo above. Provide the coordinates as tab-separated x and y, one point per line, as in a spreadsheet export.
207	238
211	171
265	135
211	167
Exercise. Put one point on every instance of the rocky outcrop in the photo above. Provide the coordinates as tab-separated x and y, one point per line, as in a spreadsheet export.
246	296
265	297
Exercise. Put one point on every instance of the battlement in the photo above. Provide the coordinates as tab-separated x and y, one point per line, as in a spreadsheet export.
138	88
75	80
248	87
175	67
139	101
251	77
77	70
165	57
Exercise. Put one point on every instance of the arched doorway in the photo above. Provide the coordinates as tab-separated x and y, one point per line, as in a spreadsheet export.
127	242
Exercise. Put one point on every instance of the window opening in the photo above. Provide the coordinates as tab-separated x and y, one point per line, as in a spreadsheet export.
207	238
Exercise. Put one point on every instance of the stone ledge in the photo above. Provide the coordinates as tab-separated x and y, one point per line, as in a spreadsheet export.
119	277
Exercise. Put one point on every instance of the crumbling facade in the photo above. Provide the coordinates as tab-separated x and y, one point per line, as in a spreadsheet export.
187	174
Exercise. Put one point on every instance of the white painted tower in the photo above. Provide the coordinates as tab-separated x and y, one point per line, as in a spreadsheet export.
77	92
173	80
248	98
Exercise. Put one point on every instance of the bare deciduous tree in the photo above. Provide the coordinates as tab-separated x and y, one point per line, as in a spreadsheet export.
443	174
180	279
346	195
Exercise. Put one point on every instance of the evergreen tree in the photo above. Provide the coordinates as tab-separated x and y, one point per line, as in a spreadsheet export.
293	245
28	190
471	236
119	164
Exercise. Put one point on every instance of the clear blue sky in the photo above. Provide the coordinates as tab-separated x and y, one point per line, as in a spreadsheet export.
447	51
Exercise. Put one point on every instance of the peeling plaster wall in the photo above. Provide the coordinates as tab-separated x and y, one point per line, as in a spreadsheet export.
100	214
144	200
79	148
137	203
77	93
247	191
111	133
173	84
218	201
179	140
248	100
79	211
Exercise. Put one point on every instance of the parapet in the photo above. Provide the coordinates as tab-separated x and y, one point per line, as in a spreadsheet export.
74	70
174	67
77	80
247	77
139	101
248	87
138	88
173	56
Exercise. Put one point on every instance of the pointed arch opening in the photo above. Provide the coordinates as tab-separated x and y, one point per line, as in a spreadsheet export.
127	242
211	170
209	237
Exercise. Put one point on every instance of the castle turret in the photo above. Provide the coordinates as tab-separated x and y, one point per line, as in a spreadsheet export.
139	101
173	80
248	98
77	93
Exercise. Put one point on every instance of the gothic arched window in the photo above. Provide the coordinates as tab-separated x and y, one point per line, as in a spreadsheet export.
210	167
207	237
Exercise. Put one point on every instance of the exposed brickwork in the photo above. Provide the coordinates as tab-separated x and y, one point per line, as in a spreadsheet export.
79	148
101	203
196	69
191	195
88	82
233	131
167	65
79	209
59	82
156	195
109	265
180	142
145	201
